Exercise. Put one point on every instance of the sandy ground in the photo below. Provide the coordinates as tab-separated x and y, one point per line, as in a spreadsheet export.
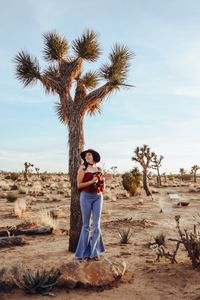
152	280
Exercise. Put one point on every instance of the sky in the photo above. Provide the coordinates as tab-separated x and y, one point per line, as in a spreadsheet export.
161	110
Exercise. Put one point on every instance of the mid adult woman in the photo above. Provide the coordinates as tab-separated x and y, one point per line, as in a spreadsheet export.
91	201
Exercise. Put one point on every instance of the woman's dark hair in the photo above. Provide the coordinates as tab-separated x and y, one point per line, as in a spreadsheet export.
86	163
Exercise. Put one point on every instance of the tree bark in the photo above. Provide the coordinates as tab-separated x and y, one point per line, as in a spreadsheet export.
145	185
76	142
195	177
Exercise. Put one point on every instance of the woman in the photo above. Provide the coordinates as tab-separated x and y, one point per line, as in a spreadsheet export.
91	200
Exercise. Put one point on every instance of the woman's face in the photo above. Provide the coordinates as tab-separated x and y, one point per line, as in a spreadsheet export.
89	158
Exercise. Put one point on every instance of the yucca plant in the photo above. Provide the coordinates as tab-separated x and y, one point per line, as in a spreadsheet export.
125	235
64	73
38	283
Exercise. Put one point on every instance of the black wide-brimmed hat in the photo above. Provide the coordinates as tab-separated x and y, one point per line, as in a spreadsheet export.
95	154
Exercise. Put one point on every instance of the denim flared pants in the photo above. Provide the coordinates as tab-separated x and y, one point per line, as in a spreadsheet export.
90	246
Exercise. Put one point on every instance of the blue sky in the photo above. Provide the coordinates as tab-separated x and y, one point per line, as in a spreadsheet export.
162	110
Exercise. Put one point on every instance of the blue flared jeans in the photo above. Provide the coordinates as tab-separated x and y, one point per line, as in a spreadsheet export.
90	246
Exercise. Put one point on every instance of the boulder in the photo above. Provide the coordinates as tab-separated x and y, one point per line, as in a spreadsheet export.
90	273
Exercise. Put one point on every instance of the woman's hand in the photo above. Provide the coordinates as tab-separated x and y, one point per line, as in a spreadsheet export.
94	179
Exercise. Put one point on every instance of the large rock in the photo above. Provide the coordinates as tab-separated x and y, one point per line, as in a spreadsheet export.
91	273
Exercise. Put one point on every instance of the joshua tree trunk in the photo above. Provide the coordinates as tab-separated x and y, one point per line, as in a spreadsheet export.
159	178
195	177
76	142
145	185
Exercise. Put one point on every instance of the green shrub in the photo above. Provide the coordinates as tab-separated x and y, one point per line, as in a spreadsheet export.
131	181
12	196
14	176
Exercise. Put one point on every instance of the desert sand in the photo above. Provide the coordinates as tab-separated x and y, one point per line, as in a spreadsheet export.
145	278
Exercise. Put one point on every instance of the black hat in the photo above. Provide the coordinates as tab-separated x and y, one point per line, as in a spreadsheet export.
95	155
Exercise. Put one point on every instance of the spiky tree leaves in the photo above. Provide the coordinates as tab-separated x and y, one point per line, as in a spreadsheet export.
56	47
64	75
87	46
116	71
27	68
90	80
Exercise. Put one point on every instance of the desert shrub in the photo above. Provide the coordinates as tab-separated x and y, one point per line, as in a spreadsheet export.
14	176
186	177
11	196
131	181
170	177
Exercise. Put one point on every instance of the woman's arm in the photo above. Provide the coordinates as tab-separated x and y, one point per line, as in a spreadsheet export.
80	176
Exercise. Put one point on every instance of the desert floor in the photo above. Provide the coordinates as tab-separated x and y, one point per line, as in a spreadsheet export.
145	216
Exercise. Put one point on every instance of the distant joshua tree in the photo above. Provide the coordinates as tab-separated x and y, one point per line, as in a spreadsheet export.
114	170
78	94
165	177
182	173
194	170
37	171
156	164
144	157
26	166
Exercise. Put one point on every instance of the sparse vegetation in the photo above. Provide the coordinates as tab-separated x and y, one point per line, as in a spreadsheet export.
125	235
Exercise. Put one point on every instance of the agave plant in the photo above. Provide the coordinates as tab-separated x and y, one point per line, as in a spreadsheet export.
40	283
125	235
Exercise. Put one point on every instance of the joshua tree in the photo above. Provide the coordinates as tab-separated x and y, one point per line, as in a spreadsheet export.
156	164
114	170
26	166
182	172
165	177
63	74
144	157
194	170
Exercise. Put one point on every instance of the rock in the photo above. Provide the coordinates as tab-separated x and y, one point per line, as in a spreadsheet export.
91	273
2	195
122	195
192	190
140	201
5	187
22	190
154	191
113	198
